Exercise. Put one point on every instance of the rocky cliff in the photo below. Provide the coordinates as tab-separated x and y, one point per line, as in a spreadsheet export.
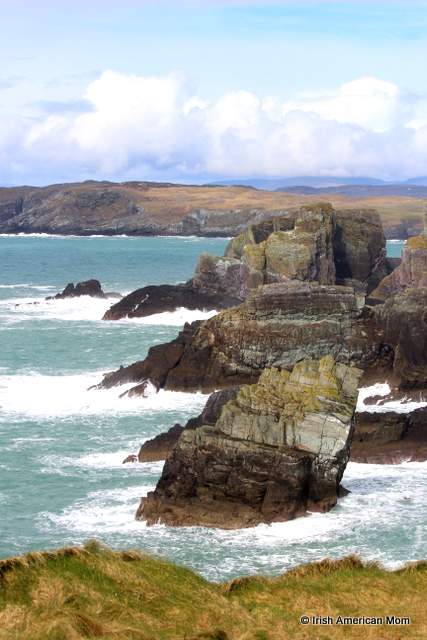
315	244
277	326
277	450
411	273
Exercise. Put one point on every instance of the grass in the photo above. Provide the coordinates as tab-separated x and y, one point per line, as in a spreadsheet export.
93	592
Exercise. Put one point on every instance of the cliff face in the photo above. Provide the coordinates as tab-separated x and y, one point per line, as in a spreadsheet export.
411	273
277	450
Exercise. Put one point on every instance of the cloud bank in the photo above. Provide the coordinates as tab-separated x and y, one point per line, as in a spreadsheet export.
136	126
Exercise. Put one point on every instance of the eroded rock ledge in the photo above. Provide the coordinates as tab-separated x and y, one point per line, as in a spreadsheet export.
277	450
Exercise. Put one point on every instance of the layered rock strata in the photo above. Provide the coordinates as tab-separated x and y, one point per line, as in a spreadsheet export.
411	272
277	450
277	326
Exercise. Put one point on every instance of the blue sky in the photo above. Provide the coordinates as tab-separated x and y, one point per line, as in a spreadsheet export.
298	54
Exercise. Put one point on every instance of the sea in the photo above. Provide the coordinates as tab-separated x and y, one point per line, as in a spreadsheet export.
62	480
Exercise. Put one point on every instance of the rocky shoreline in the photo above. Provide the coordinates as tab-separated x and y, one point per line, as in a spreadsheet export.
159	209
311	310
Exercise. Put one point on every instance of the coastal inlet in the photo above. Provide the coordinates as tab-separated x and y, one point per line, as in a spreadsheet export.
61	447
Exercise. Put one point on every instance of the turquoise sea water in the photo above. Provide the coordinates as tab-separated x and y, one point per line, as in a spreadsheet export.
61	446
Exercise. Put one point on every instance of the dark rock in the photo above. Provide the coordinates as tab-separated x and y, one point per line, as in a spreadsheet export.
159	447
359	247
390	437
278	449
158	299
87	288
315	244
131	458
411	272
402	324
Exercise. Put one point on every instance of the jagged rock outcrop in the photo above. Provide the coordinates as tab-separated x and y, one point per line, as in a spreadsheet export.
316	244
359	248
277	450
278	325
159	447
389	437
411	272
87	288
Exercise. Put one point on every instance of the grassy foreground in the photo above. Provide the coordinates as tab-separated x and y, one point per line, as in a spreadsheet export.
93	592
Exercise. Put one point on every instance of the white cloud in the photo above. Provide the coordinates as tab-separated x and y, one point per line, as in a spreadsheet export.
141	126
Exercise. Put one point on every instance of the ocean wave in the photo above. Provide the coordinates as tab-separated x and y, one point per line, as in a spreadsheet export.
175	318
46	396
26	285
385	501
382	405
85	308
16	310
107	511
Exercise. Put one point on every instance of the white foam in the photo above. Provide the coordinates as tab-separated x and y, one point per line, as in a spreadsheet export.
102	511
175	318
26	285
83	308
35	395
401	405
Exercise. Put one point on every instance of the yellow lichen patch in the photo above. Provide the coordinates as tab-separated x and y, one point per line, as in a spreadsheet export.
416	242
254	256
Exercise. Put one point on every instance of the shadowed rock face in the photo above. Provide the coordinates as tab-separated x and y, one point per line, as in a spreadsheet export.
390	437
278	449
277	326
411	273
402	324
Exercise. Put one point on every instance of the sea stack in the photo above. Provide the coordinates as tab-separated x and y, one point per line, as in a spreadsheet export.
277	451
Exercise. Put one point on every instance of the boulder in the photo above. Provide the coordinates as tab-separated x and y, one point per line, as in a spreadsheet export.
87	288
277	450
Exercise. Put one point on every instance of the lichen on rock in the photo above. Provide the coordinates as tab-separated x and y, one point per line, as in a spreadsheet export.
277	450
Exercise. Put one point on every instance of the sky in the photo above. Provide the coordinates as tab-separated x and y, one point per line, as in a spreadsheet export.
197	90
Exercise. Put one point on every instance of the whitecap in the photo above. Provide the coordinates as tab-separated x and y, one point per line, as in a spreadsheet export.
83	308
175	318
35	395
100	512
382	405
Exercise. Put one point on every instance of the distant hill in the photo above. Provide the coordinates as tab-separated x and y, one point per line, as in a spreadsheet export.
150	208
362	190
275	184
